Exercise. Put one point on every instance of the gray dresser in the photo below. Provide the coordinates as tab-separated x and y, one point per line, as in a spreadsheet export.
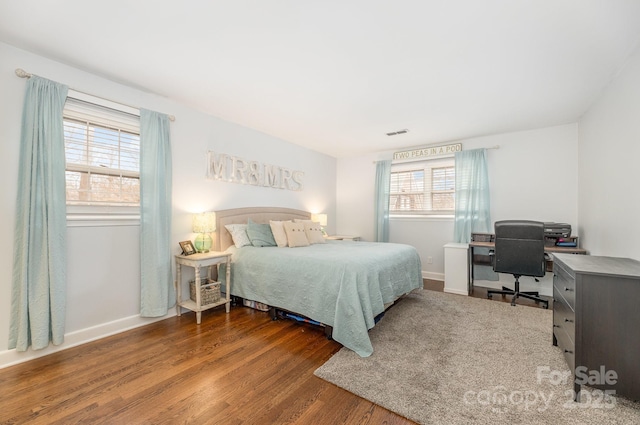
596	321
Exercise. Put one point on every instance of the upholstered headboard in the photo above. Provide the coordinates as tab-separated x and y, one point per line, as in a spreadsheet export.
257	214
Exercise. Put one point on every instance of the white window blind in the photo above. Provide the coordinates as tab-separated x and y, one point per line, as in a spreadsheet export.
407	190
443	185
423	187
102	150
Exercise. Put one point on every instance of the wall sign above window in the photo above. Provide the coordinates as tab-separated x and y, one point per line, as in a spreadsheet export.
427	152
233	169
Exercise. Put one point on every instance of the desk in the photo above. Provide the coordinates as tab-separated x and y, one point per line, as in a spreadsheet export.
492	245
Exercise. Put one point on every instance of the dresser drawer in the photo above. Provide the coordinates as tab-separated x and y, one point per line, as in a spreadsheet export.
566	285
567	346
563	315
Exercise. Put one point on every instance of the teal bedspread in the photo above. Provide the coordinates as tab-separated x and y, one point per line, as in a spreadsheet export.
343	284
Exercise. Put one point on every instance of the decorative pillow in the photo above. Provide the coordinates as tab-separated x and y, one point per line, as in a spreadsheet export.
238	234
300	220
295	234
260	234
314	233
280	236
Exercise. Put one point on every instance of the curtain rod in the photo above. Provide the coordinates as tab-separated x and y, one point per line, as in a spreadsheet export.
24	74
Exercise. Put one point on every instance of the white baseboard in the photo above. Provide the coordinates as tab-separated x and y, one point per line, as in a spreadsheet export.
456	291
82	336
433	276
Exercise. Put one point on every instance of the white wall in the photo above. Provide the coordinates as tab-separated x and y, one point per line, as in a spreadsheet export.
103	262
609	169
533	175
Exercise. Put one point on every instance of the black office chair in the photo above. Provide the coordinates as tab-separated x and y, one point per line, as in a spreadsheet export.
519	251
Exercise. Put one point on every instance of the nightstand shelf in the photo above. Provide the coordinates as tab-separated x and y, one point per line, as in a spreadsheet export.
197	261
193	306
342	238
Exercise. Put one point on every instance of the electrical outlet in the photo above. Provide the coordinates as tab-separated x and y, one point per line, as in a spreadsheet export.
429	260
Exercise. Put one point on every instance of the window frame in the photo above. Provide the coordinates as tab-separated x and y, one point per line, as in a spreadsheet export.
92	215
427	165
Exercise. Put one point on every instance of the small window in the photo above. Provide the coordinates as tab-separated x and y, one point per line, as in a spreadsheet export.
423	188
102	152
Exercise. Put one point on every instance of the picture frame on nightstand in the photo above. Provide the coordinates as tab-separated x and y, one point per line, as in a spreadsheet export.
187	248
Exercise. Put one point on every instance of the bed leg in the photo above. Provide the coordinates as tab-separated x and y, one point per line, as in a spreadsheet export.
328	331
273	313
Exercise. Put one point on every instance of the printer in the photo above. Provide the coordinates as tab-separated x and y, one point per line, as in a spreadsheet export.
557	230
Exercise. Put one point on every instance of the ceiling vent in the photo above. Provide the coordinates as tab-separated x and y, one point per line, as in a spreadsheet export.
395	133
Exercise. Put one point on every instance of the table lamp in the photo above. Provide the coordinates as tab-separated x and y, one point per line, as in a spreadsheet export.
203	224
322	219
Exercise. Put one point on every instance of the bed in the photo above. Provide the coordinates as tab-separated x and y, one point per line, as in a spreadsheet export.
341	284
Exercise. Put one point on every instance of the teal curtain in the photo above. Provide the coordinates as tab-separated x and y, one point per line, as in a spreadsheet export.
381	213
472	207
156	285
38	298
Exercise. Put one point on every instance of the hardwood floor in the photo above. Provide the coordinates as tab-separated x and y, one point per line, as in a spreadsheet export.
240	368
481	292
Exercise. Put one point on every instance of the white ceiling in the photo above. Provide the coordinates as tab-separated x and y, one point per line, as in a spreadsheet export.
336	75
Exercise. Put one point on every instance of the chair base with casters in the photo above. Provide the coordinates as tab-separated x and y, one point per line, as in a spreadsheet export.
532	295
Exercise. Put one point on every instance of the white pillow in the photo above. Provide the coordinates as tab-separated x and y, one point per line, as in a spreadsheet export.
239	234
313	231
277	228
295	234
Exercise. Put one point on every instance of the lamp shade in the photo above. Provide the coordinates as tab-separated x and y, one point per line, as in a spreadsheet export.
204	222
319	218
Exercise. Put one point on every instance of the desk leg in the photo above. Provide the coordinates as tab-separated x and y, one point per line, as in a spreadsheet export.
178	288
228	291
470	270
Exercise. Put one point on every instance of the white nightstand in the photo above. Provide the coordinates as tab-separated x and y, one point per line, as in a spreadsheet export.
342	238
208	259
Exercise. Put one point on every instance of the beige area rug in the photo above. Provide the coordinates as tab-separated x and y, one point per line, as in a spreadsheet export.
448	359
